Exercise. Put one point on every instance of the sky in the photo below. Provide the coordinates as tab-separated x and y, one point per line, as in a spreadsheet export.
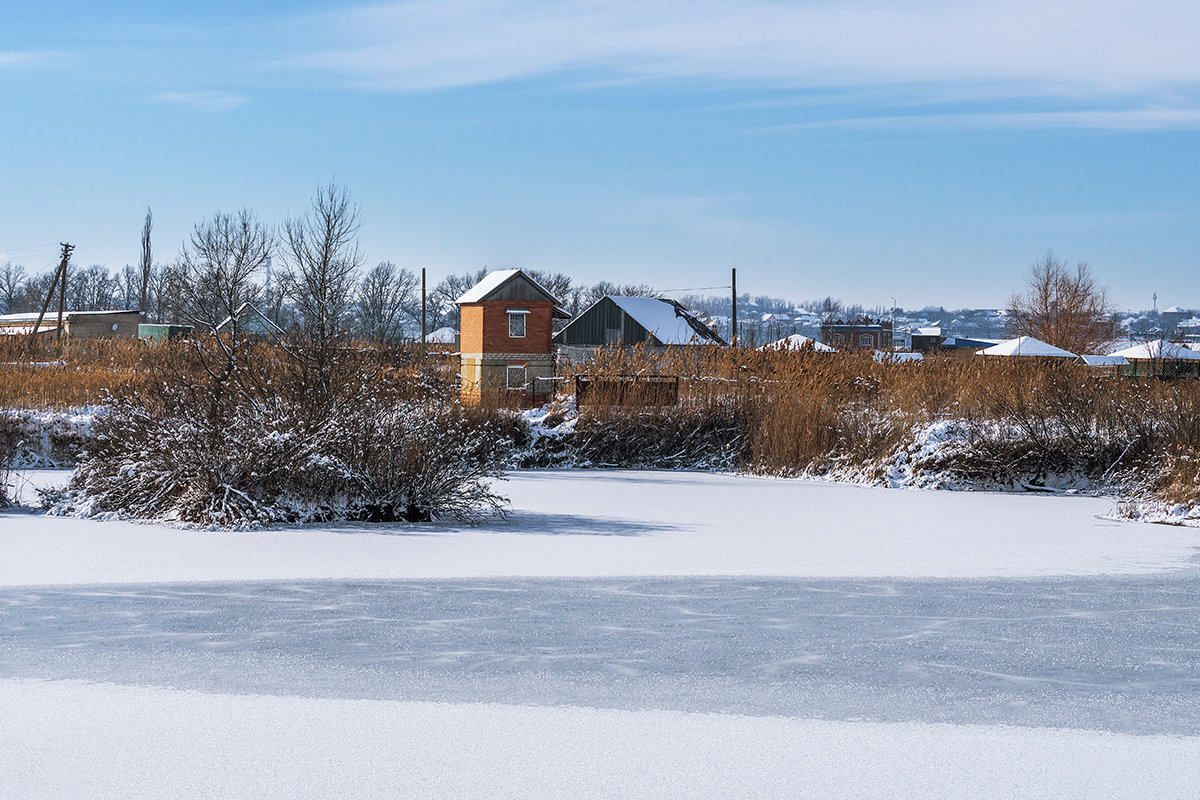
927	151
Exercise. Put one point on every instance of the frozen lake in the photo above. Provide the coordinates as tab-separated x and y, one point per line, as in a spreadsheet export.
620	634
1120	655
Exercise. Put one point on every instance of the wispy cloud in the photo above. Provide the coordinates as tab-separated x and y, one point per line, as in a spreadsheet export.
1021	47
32	58
1125	119
209	101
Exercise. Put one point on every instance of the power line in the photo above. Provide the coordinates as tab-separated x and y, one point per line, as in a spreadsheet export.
8	251
696	289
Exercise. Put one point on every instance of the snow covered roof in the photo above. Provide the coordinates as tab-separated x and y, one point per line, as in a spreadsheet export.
1025	346
884	357
442	336
1159	349
796	342
1193	322
493	281
251	320
1174	310
928	332
666	321
1104	361
32	316
769	317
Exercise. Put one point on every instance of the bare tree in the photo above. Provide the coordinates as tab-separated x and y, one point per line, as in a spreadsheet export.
12	282
146	265
91	288
1063	307
442	300
217	266
386	297
128	288
322	257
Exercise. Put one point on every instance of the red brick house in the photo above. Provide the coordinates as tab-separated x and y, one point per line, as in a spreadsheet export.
507	322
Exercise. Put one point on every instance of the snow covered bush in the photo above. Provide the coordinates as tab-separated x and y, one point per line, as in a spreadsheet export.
413	461
705	435
254	466
249	444
8	448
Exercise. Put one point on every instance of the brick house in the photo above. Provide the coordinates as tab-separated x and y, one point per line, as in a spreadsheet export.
507	322
864	333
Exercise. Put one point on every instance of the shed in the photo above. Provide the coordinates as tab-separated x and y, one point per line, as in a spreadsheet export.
157	332
79	324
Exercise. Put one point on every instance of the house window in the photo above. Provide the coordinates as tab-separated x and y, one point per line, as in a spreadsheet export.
516	323
866	340
515	376
839	339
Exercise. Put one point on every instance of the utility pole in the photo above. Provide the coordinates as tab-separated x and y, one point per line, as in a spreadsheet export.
733	337
62	298
60	278
423	333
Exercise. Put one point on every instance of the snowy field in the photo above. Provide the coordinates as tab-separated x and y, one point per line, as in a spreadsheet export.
622	634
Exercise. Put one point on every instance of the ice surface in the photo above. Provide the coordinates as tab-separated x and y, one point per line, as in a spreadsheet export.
622	634
1102	653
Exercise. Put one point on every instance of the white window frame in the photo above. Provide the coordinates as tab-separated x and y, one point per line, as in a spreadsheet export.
508	375
513	315
839	339
866	340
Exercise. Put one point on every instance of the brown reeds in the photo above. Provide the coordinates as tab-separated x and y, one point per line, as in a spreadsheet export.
797	412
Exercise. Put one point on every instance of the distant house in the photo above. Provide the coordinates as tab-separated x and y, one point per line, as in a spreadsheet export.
1174	315
627	321
1188	329
925	340
1025	347
860	333
78	324
444	335
1160	359
251	322
506	353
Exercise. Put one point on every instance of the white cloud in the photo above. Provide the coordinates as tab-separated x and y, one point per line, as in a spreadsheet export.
1020	47
204	101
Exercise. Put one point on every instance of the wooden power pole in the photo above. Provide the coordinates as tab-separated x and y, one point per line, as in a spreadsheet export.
423	331
733	337
60	283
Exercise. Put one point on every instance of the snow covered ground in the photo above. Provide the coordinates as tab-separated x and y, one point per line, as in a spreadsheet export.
622	523
622	634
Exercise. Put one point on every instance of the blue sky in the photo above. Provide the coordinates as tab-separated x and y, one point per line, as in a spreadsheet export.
927	151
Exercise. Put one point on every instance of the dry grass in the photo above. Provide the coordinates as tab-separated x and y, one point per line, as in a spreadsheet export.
812	412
